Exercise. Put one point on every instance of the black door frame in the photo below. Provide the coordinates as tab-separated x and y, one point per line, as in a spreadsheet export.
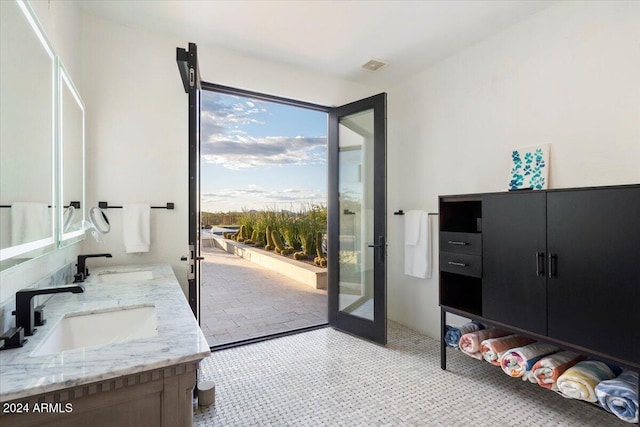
213	87
342	321
190	73
375	330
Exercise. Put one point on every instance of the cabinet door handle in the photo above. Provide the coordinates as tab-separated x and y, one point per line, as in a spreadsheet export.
459	264
552	265
539	263
455	242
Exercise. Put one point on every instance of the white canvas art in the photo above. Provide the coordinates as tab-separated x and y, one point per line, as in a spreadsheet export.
529	168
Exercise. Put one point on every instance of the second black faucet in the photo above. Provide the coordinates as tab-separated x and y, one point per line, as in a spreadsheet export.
82	271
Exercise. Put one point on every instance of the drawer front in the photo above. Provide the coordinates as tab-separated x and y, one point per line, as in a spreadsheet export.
462	243
468	265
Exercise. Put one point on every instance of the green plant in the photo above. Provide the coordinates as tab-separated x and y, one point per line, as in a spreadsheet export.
320	260
277	241
260	239
310	220
280	246
247	220
289	228
308	246
241	237
299	256
230	235
252	240
270	245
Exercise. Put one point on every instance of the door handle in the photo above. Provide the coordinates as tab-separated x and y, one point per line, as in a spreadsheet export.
552	265
381	248
539	263
200	258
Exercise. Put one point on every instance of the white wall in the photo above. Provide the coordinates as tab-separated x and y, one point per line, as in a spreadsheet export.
569	76
137	146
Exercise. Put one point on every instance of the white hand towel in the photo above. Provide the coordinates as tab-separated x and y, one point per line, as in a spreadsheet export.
412	227
30	222
136	227
417	258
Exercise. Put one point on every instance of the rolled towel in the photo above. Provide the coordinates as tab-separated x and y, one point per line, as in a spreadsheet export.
580	381
517	361
493	348
453	334
470	343
546	371
619	396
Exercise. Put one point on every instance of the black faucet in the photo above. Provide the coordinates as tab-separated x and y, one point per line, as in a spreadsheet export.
24	304
82	271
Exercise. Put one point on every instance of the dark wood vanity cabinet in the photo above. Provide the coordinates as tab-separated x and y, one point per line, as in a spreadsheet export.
561	265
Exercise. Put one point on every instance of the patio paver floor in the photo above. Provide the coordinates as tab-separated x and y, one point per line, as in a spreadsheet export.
240	300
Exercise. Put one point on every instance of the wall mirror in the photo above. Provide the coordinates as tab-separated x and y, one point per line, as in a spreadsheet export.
71	147
27	184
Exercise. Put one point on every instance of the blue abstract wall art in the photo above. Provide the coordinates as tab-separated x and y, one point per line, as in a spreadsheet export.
529	168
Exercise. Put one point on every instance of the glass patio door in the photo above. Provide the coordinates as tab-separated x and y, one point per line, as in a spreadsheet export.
356	244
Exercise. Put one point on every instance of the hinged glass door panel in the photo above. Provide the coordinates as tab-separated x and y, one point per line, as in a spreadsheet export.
357	220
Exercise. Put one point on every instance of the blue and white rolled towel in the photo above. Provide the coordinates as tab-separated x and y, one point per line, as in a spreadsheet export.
619	396
580	381
454	333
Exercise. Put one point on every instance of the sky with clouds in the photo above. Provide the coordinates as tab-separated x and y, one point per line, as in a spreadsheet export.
258	154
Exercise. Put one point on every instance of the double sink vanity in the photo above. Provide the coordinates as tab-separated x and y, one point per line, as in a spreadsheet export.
122	346
124	351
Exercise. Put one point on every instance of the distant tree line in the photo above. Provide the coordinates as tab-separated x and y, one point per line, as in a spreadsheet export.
212	219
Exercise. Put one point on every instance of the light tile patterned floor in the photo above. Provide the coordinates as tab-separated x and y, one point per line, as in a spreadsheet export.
240	300
328	378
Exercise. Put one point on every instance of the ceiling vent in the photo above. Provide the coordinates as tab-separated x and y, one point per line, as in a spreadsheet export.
373	65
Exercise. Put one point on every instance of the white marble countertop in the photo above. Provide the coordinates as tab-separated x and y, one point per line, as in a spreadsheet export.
179	337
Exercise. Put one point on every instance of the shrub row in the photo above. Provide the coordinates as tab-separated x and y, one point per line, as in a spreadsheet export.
284	232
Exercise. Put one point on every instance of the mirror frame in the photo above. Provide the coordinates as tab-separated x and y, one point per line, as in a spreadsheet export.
47	244
64	239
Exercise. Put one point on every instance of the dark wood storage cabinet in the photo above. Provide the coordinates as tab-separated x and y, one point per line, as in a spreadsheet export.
514	284
561	266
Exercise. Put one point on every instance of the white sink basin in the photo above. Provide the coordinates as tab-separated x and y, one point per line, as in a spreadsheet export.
98	328
124	276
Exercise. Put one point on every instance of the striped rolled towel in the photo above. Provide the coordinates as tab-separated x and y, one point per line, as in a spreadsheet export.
546	371
580	381
453	334
517	361
619	396
493	348
470	343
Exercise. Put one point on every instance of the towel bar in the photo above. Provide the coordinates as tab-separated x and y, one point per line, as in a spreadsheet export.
105	205
74	204
401	212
